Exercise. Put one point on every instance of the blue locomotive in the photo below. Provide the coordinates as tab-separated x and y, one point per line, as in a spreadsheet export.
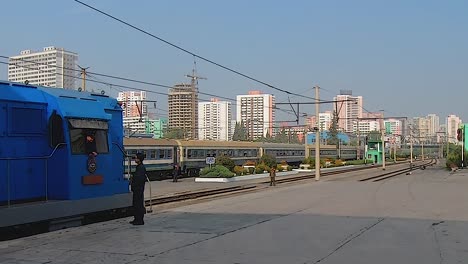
58	154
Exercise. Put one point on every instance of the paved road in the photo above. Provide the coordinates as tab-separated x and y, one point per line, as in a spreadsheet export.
420	218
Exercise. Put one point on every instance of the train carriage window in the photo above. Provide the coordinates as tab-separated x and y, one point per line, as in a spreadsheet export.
152	154
169	153
202	153
56	135
161	153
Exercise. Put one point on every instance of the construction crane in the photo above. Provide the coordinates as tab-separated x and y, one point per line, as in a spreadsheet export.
194	87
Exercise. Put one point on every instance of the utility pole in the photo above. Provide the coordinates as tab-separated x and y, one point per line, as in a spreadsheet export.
411	151
422	149
463	147
317	135
83	77
447	141
359	141
382	129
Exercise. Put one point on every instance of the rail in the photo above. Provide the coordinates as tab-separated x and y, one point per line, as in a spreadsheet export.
45	158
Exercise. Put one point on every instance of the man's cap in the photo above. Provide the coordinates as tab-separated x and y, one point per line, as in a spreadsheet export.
140	156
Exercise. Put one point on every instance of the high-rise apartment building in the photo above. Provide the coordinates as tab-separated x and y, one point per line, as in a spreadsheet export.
134	111
183	109
325	121
420	129
214	120
133	103
156	127
348	108
52	67
365	126
433	126
256	111
393	126
453	123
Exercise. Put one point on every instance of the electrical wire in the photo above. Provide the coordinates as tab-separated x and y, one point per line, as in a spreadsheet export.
190	52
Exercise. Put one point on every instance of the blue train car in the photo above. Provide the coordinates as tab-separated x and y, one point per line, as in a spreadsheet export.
45	153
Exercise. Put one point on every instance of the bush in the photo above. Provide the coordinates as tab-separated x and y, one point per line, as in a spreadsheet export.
268	160
279	168
339	162
238	170
309	161
259	170
216	171
355	162
283	162
226	162
250	163
289	168
251	170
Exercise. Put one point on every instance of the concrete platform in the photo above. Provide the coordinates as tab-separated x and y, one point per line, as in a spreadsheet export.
418	218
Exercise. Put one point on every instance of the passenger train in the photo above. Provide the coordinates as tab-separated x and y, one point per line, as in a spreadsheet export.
163	154
48	173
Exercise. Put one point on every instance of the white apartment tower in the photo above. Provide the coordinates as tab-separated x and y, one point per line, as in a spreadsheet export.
214	120
256	112
453	123
348	108
133	103
325	120
52	67
433	125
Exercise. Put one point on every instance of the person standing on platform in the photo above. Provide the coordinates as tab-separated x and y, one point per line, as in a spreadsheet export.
176	174
138	189
273	176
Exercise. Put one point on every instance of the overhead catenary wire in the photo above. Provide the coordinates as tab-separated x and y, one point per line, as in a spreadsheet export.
116	86
190	52
112	77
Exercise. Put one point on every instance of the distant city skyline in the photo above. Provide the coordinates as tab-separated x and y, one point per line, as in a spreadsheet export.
405	57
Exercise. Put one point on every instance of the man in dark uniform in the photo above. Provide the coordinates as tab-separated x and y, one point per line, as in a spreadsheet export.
138	189
176	173
273	176
90	145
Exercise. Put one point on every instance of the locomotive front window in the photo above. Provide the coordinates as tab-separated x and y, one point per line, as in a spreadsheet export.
80	129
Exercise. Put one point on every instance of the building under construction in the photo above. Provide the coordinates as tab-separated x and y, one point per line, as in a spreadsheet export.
183	109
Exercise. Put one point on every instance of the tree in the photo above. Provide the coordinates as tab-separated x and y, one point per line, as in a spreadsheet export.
268	160
294	138
281	137
226	162
174	133
333	133
239	132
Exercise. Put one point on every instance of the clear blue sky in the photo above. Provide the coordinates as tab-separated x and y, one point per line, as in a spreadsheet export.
407	57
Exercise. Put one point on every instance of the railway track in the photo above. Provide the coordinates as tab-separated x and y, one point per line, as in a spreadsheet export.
392	174
244	188
37	228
